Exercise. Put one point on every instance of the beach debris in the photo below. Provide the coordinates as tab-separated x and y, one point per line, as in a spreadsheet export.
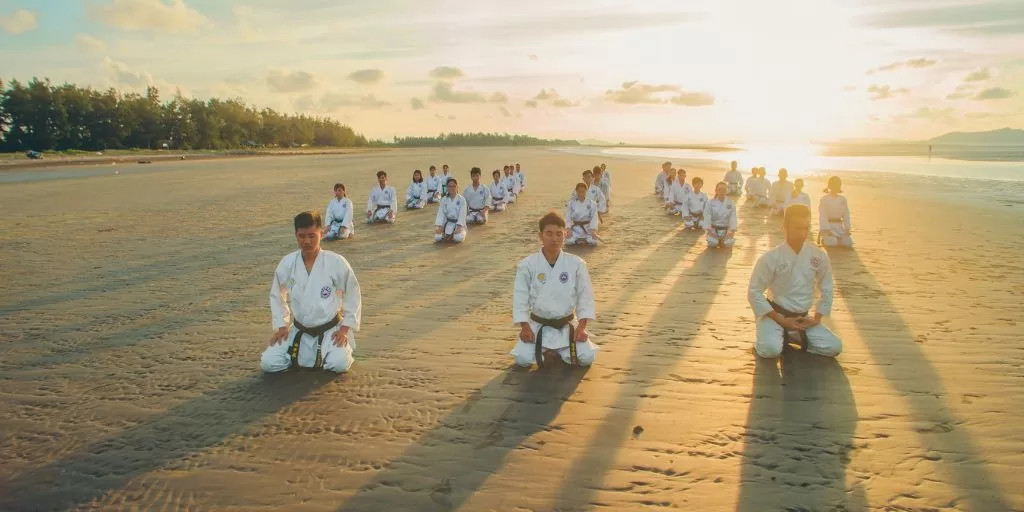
637	430
145	161
34	155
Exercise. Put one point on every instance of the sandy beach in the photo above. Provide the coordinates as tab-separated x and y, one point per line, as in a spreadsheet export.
135	310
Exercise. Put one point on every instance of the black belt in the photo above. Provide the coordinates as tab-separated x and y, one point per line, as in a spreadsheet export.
476	210
444	229
834	220
785	332
317	332
720	228
383	207
557	323
583	224
431	190
699	215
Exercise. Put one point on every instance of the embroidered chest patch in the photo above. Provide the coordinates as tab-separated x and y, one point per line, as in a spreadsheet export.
563	277
325	292
815	262
542	277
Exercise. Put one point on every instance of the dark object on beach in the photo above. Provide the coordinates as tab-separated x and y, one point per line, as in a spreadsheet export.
637	430
145	161
34	155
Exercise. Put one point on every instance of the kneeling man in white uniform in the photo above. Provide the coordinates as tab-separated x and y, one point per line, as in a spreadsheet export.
790	273
552	287
451	215
315	305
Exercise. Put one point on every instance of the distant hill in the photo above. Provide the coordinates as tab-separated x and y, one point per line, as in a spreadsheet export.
1000	137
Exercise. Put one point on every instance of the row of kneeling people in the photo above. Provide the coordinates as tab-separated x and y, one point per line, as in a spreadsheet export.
456	211
316	302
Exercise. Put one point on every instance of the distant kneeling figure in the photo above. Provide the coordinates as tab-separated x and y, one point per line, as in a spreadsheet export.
315	305
451	215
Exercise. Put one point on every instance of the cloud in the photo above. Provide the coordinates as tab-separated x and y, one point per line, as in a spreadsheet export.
366	76
417	104
962	91
530	104
505	112
446	73
994	93
635	93
19	22
123	75
290	82
978	76
552	97
91	43
989	18
918	63
946	115
693	99
444	93
335	101
153	15
884	92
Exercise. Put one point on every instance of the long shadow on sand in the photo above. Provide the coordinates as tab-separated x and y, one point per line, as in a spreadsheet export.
649	361
455	458
184	429
908	370
799	435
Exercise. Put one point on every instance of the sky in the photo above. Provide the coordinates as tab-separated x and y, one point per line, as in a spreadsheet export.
638	71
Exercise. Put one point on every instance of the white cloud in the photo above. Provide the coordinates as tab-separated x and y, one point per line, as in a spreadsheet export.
121	74
150	15
291	81
21	21
91	43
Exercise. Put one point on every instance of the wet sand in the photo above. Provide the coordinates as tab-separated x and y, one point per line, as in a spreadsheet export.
136	309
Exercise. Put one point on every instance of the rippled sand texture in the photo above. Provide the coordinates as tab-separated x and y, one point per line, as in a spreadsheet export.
136	309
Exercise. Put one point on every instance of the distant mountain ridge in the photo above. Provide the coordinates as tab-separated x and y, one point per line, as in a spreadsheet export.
1000	137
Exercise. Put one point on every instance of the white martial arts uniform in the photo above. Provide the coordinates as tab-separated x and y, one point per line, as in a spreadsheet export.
583	221
433	188
693	210
801	198
734	179
478	201
595	194
382	201
719	219
834	221
521	176
676	197
338	215
605	183
450	215
757	191
443	183
659	184
781	191
313	299
511	188
416	195
552	292
497	192
791	279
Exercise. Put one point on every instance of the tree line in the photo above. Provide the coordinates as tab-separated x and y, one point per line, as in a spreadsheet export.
479	139
41	116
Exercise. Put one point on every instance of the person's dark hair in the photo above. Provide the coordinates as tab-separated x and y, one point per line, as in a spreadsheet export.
474	171
309	219
339	185
414	174
597	168
586	172
834	183
698	179
551	219
496	172
450	181
433	167
382	173
796	211
581	185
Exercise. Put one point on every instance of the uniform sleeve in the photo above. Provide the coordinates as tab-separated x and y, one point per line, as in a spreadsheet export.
280	313
440	218
847	223
463	211
822	215
585	306
760	279
394	200
487	198
521	294
595	219
351	295
732	217
568	213
369	201
705	222
824	278
346	216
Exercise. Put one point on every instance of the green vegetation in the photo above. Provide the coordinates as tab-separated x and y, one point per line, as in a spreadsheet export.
40	116
478	139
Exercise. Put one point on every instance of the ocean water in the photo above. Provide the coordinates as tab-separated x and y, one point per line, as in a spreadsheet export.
808	160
